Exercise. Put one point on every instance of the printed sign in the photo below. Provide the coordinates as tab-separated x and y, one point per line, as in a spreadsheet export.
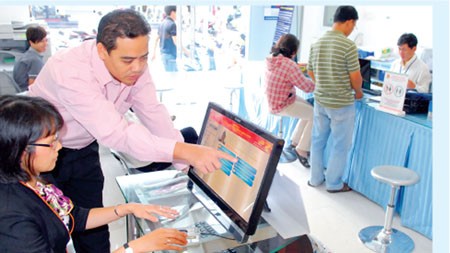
393	95
284	22
271	13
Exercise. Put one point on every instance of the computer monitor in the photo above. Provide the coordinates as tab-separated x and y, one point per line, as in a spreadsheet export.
367	86
238	189
365	73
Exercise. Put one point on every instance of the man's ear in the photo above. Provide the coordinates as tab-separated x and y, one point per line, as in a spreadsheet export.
101	50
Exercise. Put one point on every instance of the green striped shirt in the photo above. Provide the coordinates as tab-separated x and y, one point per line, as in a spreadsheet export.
331	59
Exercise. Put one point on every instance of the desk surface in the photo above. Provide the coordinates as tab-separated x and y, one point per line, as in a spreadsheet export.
421	119
170	188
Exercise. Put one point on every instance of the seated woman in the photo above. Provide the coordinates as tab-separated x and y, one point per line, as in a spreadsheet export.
282	76
37	217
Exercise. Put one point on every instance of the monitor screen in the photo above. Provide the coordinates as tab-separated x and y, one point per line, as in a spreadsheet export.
238	189
365	73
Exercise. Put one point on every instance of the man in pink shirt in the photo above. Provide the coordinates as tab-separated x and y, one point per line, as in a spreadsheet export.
93	85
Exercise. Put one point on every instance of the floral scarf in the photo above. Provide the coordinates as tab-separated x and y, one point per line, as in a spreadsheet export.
54	197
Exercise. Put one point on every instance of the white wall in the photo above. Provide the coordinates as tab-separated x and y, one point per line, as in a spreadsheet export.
14	13
378	27
312	29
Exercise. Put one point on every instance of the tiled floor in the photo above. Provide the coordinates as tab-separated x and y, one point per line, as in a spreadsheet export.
334	219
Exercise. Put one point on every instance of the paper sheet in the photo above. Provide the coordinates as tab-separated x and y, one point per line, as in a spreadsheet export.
287	216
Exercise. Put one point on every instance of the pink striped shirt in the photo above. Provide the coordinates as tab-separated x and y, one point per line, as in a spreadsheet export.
281	77
93	103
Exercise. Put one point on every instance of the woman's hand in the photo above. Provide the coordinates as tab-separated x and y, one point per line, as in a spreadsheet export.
160	239
148	211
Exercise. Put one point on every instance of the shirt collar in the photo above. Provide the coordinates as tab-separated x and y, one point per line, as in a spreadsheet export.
336	32
408	63
36	52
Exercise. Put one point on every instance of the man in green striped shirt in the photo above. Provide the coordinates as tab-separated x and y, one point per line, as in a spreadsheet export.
334	67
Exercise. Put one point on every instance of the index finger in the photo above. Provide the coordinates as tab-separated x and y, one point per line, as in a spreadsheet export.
227	157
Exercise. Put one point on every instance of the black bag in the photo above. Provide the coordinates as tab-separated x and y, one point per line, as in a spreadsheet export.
416	102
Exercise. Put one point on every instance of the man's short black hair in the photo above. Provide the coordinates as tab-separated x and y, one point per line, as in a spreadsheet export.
35	34
344	13
407	38
120	23
169	8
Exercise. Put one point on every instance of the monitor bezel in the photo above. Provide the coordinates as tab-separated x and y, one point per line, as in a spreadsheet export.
366	65
240	228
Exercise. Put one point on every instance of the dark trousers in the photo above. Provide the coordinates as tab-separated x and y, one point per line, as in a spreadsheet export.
189	135
79	175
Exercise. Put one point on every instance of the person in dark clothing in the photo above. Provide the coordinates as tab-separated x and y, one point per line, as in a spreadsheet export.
36	216
27	67
167	40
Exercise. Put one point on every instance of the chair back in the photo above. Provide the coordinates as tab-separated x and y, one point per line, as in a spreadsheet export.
7	84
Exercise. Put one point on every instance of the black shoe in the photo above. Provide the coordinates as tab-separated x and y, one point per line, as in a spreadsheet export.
345	188
303	160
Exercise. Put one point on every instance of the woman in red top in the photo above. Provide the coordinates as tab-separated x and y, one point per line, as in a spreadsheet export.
281	77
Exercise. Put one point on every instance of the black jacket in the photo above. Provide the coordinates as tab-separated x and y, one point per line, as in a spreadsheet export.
27	224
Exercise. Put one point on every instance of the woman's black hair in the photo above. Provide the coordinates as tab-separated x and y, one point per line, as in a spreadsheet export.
287	45
23	120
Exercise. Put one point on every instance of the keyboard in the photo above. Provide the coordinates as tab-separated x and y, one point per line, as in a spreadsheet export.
205	229
372	92
200	232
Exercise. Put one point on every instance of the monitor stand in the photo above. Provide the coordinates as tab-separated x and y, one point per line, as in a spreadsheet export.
266	207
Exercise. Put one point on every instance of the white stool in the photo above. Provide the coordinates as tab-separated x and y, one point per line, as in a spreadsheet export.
286	156
234	89
160	91
384	238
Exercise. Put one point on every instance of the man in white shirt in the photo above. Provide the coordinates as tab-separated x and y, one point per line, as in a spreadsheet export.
417	71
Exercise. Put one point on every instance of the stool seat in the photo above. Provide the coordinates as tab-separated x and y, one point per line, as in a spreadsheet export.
395	175
385	239
287	155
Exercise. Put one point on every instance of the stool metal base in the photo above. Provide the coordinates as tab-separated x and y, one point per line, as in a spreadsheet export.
287	155
374	239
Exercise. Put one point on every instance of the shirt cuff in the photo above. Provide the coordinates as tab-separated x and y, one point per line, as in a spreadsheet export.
180	165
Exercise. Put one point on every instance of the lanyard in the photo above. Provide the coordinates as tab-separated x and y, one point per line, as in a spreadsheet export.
407	67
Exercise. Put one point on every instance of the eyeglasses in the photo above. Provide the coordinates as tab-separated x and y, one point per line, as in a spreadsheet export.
52	145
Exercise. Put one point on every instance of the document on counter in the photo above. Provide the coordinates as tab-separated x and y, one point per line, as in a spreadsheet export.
393	95
375	98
